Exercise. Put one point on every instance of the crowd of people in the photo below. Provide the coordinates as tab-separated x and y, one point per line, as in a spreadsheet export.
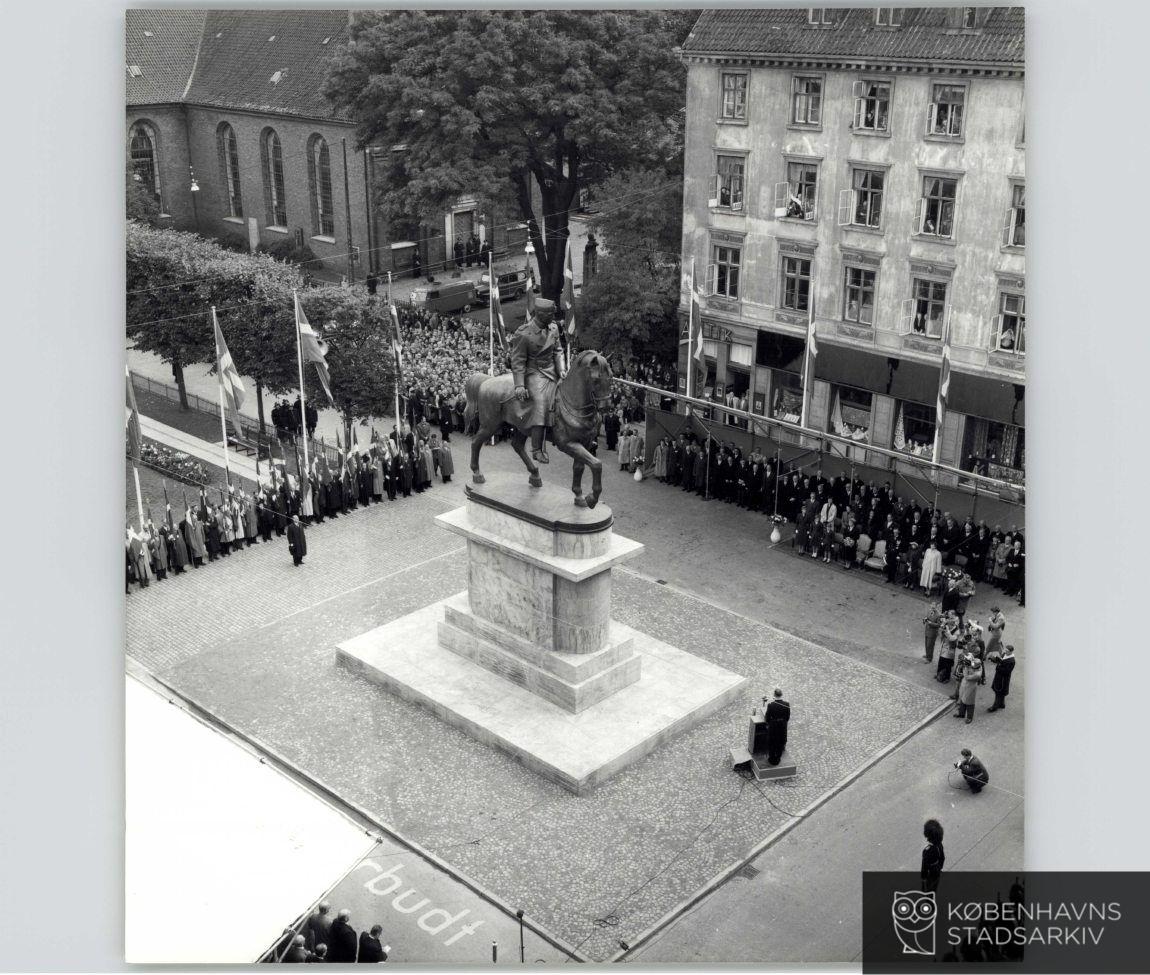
324	938
292	419
846	520
440	352
283	503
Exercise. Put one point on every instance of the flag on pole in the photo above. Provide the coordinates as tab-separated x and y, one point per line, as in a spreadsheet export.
133	421
313	348
396	346
530	293
809	364
568	296
699	353
497	316
943	394
229	375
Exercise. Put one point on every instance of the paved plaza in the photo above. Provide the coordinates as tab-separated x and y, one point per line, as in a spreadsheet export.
595	871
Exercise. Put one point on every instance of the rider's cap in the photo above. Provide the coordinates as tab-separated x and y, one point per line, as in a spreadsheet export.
544	307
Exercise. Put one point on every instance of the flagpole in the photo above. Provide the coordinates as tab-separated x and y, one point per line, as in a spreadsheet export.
490	316
943	390
139	496
395	324
302	400
223	418
808	378
691	381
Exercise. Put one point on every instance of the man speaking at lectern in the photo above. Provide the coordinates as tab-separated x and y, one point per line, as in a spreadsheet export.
778	713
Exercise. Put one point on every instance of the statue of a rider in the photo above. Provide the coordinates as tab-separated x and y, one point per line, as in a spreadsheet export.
537	367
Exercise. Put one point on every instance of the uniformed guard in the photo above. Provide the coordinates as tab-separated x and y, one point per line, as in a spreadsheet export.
537	367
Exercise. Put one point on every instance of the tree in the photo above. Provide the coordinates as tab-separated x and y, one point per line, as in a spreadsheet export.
141	205
173	280
357	329
492	103
630	307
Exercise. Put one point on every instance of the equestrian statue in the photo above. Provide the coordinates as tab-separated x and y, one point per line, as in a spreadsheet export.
538	393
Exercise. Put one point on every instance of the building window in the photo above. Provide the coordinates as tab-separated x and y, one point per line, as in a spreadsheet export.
274	196
1014	232
936	208
858	302
850	413
796	284
994	449
969	18
725	271
786	396
888	16
797	198
806	100
872	106
229	153
929	307
319	181
821	16
1010	333
944	117
734	96
914	429
144	159
729	182
861	206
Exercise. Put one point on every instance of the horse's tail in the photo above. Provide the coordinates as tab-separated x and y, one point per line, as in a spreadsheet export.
471	410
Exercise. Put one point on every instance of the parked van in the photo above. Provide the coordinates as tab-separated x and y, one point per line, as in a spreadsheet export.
512	285
450	296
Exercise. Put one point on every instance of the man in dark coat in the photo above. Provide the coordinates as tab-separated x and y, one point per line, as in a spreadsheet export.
777	715
611	429
297	540
371	949
297	952
1003	668
341	948
317	929
973	771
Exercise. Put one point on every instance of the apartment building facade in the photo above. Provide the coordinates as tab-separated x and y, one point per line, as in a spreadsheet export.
864	169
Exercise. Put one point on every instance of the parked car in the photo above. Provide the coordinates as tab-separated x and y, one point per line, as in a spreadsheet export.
451	296
512	284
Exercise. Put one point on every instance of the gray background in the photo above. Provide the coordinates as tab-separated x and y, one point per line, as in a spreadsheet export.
61	684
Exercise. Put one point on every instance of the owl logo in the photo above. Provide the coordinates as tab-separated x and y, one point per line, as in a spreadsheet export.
914	915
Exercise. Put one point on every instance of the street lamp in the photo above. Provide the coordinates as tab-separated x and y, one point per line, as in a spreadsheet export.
194	189
529	251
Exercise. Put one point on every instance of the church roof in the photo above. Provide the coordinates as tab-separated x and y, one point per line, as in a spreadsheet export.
923	34
263	61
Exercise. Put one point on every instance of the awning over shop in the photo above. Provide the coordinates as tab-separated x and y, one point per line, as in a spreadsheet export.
917	382
908	380
993	399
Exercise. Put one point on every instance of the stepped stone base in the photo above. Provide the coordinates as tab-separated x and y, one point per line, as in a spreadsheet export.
578	750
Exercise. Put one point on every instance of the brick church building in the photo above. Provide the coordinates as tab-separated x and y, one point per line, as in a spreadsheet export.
227	129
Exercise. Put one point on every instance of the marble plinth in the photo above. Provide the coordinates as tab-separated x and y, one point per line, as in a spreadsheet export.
674	692
528	659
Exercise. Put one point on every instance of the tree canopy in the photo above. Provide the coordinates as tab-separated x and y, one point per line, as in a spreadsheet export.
630	305
174	278
490	104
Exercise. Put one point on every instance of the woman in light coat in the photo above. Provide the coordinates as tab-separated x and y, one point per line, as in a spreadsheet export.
626	450
931	567
968	687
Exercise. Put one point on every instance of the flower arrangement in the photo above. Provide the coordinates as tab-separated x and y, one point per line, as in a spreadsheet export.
174	463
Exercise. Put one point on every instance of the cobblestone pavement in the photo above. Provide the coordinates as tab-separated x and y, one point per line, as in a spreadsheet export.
595	870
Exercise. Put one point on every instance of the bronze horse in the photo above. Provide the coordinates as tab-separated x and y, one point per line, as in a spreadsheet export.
580	399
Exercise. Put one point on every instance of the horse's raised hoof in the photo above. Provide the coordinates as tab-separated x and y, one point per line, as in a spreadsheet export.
590	501
535	480
579	502
477	478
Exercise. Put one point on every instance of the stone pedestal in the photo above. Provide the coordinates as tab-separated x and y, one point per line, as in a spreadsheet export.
528	659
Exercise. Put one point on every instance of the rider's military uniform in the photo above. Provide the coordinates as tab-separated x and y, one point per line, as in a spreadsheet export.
536	364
